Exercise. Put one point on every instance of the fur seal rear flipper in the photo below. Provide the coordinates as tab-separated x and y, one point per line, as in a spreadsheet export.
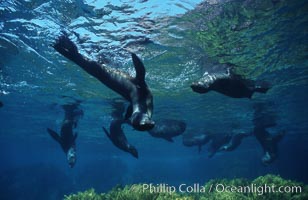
133	89
54	135
118	138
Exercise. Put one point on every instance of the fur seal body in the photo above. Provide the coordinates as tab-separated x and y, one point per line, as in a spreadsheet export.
133	89
167	129
235	141
217	141
67	139
265	117
118	138
197	140
269	143
227	83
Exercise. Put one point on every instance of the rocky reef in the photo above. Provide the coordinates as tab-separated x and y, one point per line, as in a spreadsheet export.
264	187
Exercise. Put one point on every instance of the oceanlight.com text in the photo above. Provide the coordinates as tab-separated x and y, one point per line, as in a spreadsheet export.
253	188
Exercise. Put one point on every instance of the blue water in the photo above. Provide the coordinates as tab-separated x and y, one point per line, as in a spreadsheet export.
185	36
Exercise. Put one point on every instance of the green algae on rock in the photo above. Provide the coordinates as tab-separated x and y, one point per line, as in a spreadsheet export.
260	188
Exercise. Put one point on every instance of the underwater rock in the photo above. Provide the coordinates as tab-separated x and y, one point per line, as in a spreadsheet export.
211	190
244	25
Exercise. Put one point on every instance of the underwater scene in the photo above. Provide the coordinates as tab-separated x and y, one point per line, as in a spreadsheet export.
164	99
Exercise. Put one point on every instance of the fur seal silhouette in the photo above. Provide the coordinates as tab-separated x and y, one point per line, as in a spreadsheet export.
133	89
265	117
269	143
67	139
197	140
1	104
118	138
228	83
235	141
167	129
217	141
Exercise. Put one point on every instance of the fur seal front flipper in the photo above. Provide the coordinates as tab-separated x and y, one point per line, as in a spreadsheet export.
133	89
129	112
54	135
140	69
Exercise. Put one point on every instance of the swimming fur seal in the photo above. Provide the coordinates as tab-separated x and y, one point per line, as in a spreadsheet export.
235	141
167	129
228	83
265	117
118	137
67	139
133	89
269	143
217	141
197	140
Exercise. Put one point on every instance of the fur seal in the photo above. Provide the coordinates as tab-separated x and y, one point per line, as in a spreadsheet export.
167	129
133	89
228	83
1	104
67	138
269	143
265	117
235	141
217	141
118	138
197	140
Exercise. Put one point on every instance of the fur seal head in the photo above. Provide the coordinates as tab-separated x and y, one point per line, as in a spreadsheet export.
141	121
71	156
199	88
